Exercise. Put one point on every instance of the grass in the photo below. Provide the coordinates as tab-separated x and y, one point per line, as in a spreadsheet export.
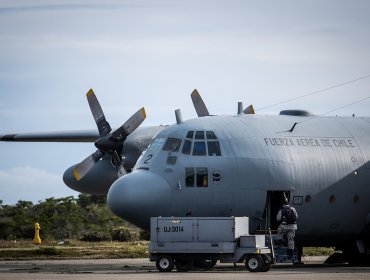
318	251
23	250
73	249
48	251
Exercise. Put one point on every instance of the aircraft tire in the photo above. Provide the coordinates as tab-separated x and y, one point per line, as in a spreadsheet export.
358	260
354	258
164	263
254	263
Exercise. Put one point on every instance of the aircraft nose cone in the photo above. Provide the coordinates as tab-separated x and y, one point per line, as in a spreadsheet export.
138	196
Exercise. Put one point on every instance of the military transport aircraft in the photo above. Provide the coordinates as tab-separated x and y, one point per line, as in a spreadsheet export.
238	165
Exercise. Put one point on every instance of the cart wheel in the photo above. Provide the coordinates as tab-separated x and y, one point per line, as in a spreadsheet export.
164	263
267	263
254	263
265	267
183	265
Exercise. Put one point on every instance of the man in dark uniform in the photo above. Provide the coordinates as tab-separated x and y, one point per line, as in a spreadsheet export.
287	216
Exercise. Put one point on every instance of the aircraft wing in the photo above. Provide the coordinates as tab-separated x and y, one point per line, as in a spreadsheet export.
54	136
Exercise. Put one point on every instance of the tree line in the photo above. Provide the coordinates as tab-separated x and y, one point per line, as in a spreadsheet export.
85	218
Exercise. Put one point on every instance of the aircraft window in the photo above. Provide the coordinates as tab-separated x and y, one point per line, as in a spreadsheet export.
214	148
199	135
211	135
172	145
199	149
187	147
189	177
157	143
202	177
190	135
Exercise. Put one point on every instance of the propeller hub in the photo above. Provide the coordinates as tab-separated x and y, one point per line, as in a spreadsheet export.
106	144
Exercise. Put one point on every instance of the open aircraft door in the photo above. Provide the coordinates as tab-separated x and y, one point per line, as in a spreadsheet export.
274	201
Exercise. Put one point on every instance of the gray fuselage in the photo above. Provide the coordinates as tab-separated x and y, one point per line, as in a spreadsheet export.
324	164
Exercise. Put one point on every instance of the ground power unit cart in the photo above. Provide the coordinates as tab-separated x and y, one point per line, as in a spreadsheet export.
186	242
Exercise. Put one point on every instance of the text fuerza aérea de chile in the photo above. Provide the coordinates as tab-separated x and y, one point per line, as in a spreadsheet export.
311	142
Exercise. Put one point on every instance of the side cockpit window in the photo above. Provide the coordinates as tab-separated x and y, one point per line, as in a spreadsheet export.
202	177
196	177
172	145
157	143
201	143
189	177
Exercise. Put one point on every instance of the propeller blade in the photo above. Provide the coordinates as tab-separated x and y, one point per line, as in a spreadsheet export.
199	105
117	162
86	165
249	110
121	133
97	112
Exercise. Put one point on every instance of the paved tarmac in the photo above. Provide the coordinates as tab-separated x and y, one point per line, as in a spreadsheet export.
142	269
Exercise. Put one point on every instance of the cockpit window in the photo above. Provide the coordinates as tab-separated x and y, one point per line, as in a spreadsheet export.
214	148
202	177
209	146
211	135
199	135
189	177
196	176
199	149
157	143
190	135
187	147
172	145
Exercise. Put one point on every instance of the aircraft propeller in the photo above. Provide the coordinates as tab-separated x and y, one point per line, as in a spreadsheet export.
108	143
249	110
199	105
202	110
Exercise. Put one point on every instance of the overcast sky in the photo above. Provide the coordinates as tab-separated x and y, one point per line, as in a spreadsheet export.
153	54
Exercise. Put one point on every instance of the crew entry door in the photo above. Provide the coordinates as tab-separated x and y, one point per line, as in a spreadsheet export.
274	202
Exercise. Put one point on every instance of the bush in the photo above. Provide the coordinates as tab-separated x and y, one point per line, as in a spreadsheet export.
122	234
94	236
87	218
144	235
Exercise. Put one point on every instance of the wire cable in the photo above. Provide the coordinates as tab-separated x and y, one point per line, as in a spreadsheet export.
309	119
315	92
336	109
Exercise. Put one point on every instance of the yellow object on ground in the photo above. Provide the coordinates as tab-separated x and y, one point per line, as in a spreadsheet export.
37	239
